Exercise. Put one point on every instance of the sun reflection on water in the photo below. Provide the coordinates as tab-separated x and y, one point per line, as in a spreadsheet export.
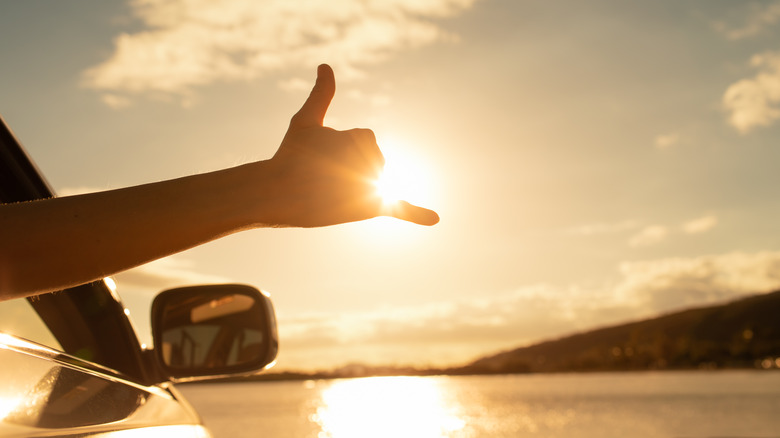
387	407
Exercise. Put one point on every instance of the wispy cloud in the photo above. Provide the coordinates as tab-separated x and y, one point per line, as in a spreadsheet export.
753	102
759	17
663	285
438	334
650	235
700	225
114	101
165	273
192	43
375	99
666	141
294	84
655	234
646	235
603	228
458	331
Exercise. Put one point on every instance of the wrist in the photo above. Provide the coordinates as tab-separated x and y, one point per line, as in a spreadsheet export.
265	199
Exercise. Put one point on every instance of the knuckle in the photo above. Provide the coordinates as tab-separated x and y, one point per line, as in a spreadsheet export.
364	135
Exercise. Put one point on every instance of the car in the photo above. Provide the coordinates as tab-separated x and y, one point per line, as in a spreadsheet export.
72	364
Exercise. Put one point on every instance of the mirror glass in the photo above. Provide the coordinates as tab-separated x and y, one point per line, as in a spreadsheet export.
211	329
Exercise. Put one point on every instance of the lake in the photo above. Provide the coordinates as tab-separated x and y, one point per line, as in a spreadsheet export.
652	404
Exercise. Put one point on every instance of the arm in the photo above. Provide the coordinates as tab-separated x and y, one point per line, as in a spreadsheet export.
318	177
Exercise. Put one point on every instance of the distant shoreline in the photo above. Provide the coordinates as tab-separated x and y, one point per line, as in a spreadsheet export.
743	334
291	376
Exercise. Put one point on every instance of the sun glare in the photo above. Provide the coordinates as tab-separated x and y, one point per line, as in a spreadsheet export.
403	178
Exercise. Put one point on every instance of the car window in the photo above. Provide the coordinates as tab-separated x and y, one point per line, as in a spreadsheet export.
18	318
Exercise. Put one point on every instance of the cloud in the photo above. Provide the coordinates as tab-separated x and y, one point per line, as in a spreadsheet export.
459	331
294	84
666	141
759	18
603	228
192	43
437	334
114	101
648	236
700	225
165	273
753	102
655	234
377	99
438	322
667	284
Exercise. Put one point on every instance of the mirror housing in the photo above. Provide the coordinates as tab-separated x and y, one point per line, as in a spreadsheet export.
213	331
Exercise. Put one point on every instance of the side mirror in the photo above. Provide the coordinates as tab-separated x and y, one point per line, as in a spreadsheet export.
213	331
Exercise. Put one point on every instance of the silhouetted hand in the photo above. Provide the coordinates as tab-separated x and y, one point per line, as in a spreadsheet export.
319	176
327	177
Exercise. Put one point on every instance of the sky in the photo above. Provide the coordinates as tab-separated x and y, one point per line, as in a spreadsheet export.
592	162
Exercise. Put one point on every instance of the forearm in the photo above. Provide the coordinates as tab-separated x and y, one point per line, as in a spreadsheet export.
57	243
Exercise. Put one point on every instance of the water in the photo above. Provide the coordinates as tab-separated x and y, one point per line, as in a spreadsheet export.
663	404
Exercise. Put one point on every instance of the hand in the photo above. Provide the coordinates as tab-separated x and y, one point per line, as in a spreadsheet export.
328	177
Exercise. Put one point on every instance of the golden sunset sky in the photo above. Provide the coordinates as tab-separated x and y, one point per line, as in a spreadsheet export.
592	162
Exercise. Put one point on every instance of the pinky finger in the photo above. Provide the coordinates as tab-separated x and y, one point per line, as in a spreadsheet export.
412	213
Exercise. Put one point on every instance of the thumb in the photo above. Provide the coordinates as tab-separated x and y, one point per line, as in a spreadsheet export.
312	113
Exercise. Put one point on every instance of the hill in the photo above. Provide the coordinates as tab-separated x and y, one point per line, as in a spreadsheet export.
743	333
739	334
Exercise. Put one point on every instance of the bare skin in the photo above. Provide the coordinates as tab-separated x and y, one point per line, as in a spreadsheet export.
318	177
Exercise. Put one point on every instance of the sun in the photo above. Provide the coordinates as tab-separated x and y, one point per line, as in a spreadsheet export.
407	176
404	178
392	186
